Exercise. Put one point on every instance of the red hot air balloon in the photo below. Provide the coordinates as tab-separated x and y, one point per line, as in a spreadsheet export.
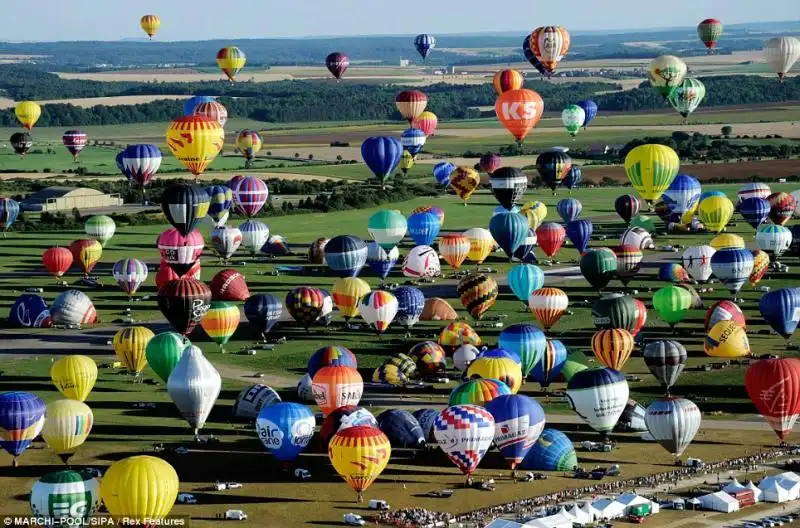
184	302
166	273
229	285
723	311
337	63
427	122
773	385
75	141
490	163
781	207
550	237
411	103
641	317
57	261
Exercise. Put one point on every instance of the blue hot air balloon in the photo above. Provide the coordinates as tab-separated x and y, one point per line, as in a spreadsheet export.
781	309
346	255
382	155
590	109
525	252
412	139
709	194
331	356
9	210
21	420
527	341
549	366
579	233
682	195
442	172
380	260
29	311
529	55
221	201
732	266
401	428
423	228
525	279
285	429
553	451
569	209
192	103
263	311
425	418
120	164
509	230
141	162
410	303
424	44
573	177
518	421
754	211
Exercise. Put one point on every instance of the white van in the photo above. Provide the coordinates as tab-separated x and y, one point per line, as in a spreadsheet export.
377	504
236	515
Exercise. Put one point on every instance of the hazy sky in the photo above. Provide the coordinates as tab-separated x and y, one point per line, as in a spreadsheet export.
205	19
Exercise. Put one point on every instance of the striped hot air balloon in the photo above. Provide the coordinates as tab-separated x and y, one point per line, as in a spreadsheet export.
506	80
478	293
378	309
75	141
732	266
221	321
548	305
180	252
548	368
305	305
454	249
212	110
346	255
21	421
195	141
410	104
130	274
231	60
359	454
666	359
612	347
249	195
184	302
331	356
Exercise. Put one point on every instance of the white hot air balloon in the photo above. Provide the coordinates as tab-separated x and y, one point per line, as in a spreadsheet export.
378	308
697	261
65	495
73	307
254	235
753	190
781	53
774	239
226	240
251	400
194	386
464	355
304	391
796	196
598	395
673	422
422	262
464	433
638	237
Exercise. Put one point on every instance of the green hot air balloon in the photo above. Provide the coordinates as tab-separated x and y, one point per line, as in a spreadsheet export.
387	228
671	303
647	223
101	228
573	117
164	351
65	495
574	363
599	266
687	96
615	311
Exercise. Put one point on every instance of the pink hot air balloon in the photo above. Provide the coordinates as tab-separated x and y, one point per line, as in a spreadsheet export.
179	251
249	195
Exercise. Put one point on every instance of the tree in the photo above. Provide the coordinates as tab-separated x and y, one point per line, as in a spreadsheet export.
727	130
310	157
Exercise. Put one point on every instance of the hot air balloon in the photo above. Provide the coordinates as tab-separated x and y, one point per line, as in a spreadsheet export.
774	239
424	44
380	260
65	496
163	352
651	169
509	230
478	293
573	177
573	117
410	303
180	252
727	339
412	139
74	376
421	262
255	234
780	53
382	155
359	454
612	347
194	386
579	233
141	488
637	237
732	266
442	172
673	423
347	294
506	80
249	143
21	421
331	356
141	162
401	428
760	266
21	142
454	248
57	261
550	237
231	60
305	305
150	24
225	241
497	365
336	386
464	181
753	190
427	122
285	429
130	274
490	162
195	141
67	425
549	45
100	227
253	399
429	357
184	302
627	207
682	196
772	385
519	111
130	344
263	311
715	212
28	113
782	207
508	186
346	255
410	104
629	260
727	241
481	244
229	285
525	340
86	253
553	166
723	311
553	451
665	359
464	356
754	211
75	141
697	262
276	246
465	433
598	395
615	311
673	272
569	209
781	309
212	110
423	228
378	309
73	307
220	322
672	303
709	31
549	366
337	63
666	73
166	273
528	52
524	279
250	195
30	311
687	96
598	267
519	420
548	305
388	228
343	418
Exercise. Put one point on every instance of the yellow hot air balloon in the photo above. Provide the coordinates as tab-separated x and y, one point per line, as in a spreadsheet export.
612	347
533	219
727	240
464	181
130	344
195	141
230	60
347	294
539	209
481	243
726	339
715	212
67	423
28	113
651	169
74	376
359	454
141	488
150	24
505	369
406	162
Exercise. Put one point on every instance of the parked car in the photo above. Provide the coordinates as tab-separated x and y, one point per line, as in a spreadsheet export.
351	519
302	474
186	498
236	515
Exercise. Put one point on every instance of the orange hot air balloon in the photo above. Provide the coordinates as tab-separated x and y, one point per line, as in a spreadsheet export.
427	122
507	80
612	347
359	455
454	249
335	387
519	111
86	252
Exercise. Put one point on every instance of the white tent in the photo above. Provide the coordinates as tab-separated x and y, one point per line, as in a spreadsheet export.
591	511
503	523
609	509
756	492
733	487
553	521
719	501
776	489
629	500
789	475
581	517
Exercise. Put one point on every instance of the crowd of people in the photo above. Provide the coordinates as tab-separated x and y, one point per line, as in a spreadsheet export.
549	503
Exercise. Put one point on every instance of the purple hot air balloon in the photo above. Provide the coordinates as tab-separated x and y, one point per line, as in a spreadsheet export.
250	195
